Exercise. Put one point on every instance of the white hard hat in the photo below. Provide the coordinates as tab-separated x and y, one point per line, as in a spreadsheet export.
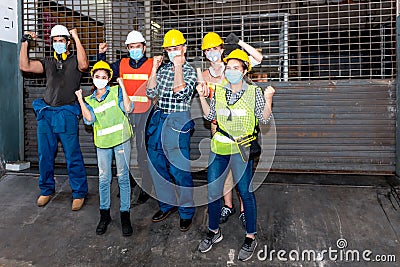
135	37
59	30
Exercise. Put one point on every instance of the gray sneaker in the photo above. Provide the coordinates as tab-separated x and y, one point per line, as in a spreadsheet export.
211	238
247	249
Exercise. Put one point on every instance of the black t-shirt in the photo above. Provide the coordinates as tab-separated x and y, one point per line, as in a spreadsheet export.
63	79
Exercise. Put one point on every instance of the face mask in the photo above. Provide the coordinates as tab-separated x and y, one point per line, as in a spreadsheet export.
213	56
173	54
60	47
100	83
136	53
214	74
233	76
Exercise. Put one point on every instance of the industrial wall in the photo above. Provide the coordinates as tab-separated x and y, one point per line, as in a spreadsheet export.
11	113
333	64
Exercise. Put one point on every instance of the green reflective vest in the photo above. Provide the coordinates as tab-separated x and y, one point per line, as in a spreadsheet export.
111	127
237	119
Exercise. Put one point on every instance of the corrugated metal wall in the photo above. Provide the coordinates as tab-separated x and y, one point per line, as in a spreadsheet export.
333	64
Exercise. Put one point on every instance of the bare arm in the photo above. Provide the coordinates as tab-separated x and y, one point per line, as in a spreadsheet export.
268	93
152	82
127	100
179	82
25	64
251	50
83	63
85	111
201	86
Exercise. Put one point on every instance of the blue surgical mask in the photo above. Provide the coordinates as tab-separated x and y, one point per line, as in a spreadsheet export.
233	76
136	53
60	47
213	56
173	54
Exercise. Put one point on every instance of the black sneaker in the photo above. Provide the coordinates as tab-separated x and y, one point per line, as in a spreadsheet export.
225	213
247	249
211	238
242	220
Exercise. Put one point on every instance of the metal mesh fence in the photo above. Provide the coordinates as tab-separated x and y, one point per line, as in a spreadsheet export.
300	40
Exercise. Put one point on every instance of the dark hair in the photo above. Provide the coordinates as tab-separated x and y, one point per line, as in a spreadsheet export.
108	72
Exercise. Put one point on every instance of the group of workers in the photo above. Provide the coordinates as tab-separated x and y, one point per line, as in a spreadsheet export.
152	100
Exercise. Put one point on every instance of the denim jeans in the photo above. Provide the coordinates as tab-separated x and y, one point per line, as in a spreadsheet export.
218	168
58	124
169	164
122	158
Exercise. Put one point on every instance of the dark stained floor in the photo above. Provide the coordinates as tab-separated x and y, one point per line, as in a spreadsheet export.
300	214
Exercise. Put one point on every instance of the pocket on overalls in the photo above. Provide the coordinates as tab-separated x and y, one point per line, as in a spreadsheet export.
180	132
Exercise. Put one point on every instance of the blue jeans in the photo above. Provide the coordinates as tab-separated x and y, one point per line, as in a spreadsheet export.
169	164
122	157
218	168
59	124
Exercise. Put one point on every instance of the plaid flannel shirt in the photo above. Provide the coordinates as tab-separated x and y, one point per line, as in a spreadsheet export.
168	101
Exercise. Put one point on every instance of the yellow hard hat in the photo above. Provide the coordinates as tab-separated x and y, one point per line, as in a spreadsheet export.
211	40
241	55
173	38
101	65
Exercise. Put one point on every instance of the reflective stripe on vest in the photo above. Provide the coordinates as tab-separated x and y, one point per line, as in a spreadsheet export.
136	98
105	106
110	130
140	77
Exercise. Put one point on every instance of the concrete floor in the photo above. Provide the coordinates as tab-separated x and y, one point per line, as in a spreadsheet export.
300	213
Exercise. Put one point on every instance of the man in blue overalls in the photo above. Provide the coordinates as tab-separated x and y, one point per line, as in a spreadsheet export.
169	131
57	113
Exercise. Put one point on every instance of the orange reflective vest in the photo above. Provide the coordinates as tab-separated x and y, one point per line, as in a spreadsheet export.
135	81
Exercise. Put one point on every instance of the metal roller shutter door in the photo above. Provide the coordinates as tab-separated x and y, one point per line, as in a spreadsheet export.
323	126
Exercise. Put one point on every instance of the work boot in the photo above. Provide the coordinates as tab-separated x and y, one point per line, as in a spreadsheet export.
105	219
77	203
43	200
126	223
143	197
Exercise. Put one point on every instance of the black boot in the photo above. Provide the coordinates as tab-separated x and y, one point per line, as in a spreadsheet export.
105	219
143	197
126	223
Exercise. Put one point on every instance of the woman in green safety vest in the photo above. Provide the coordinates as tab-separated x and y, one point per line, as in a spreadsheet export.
238	107
105	109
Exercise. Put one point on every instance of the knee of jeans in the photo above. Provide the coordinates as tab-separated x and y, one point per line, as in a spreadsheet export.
102	176
214	195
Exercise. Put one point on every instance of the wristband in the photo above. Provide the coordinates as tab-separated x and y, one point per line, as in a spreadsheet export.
26	37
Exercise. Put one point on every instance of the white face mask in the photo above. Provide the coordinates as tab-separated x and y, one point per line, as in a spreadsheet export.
100	83
173	54
213	55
